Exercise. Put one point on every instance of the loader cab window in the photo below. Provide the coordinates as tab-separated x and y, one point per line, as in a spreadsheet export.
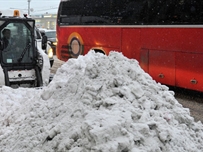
17	43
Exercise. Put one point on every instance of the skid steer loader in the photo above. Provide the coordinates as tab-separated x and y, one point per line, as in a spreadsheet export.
22	62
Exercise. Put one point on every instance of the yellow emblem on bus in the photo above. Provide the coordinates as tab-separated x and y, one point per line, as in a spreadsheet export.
75	45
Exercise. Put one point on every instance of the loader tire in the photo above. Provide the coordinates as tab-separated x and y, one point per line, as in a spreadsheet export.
7	83
39	82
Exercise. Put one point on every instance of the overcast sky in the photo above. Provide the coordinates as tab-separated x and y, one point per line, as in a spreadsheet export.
38	6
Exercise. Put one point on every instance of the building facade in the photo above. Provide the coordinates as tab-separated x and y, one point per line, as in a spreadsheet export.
46	21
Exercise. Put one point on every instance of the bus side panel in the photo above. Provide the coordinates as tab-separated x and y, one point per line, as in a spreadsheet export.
161	57
189	70
59	39
162	66
173	39
159	39
107	39
131	42
182	49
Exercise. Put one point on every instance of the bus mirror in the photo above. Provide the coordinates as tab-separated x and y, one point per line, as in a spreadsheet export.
44	42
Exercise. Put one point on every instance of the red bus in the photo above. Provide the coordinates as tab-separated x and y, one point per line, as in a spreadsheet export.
165	36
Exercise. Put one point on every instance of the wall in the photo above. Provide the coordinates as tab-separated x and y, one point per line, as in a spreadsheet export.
47	21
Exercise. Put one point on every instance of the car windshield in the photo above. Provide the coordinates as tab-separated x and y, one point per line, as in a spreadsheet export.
50	34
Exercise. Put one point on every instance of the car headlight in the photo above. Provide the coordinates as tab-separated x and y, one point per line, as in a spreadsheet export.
50	53
54	43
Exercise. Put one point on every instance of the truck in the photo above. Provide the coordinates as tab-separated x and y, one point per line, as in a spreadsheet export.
22	62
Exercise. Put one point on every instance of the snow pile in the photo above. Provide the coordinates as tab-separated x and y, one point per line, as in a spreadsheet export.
97	103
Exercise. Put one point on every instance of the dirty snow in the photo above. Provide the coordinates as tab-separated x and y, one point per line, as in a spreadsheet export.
97	103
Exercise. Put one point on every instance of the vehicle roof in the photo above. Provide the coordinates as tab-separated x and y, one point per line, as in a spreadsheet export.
9	12
50	31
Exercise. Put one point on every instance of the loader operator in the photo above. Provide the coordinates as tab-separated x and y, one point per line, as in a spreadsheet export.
9	42
10	48
6	37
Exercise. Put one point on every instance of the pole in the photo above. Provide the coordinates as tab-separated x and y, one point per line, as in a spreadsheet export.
28	7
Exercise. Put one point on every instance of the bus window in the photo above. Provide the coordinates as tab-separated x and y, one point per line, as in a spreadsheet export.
174	12
77	12
125	12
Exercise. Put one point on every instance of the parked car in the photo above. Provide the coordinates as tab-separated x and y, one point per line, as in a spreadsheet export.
51	39
39	38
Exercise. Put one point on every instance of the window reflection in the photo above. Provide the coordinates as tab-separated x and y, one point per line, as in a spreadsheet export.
130	12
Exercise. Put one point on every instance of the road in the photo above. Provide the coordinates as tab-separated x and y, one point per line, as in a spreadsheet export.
189	99
192	100
56	65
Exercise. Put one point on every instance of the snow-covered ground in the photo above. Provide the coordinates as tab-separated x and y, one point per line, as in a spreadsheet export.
97	103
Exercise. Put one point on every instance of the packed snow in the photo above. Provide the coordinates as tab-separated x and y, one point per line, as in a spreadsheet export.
97	103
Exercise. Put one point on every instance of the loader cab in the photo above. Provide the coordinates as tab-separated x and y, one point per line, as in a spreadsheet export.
20	60
17	43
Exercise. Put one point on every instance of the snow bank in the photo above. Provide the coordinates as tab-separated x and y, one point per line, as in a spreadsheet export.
97	103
